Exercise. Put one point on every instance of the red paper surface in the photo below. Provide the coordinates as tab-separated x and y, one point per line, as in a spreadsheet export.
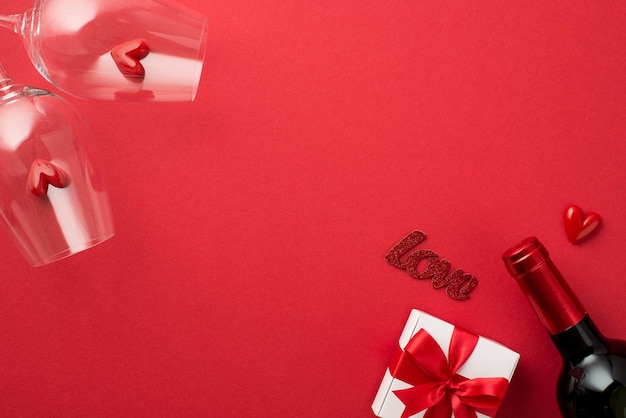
247	275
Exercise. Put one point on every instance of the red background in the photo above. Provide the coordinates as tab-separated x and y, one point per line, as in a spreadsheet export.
246	277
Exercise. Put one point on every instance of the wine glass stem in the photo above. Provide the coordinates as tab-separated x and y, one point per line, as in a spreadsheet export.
5	80
9	21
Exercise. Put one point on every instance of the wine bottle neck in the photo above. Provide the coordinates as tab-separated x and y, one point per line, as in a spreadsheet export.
553	300
579	341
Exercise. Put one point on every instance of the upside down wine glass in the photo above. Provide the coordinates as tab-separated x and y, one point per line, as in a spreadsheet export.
53	202
127	50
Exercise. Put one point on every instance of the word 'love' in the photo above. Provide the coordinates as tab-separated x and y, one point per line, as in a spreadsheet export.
458	284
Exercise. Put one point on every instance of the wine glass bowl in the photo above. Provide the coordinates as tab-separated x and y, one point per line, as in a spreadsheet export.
129	50
53	202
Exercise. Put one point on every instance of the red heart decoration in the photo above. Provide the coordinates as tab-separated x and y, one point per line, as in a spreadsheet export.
43	173
127	56
578	226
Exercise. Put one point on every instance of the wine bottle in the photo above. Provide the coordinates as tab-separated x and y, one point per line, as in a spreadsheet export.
592	381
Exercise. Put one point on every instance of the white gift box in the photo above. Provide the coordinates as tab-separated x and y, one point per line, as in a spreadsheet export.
489	359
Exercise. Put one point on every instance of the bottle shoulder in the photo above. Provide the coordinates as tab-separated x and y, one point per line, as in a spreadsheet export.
594	387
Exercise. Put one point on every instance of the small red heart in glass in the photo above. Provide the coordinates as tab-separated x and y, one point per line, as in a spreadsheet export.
578	226
43	173
127	56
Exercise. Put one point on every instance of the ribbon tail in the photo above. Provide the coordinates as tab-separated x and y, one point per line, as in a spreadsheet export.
420	397
462	410
482	394
442	409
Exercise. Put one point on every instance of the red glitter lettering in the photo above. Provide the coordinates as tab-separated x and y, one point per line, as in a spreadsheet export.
458	284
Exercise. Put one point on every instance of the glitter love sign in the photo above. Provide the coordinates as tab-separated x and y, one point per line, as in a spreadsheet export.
458	284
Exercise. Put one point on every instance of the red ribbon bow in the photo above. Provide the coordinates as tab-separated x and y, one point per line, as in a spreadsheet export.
436	384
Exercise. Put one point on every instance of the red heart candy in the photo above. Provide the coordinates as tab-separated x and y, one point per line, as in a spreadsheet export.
127	56
577	226
43	173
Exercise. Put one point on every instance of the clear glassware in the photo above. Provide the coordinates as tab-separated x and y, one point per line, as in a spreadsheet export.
127	50
53	202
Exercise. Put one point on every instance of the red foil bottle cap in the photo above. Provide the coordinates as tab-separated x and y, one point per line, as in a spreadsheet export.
525	257
553	300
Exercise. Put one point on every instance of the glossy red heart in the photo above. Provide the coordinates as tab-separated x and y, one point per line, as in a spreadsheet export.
43	173
127	56
578	226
